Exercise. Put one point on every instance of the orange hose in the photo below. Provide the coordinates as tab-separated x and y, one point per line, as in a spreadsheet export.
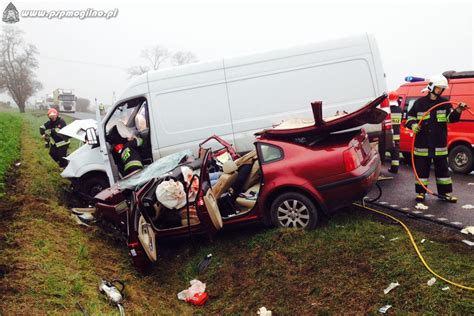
413	144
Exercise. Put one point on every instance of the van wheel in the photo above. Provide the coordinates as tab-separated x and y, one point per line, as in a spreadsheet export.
294	210
461	159
91	185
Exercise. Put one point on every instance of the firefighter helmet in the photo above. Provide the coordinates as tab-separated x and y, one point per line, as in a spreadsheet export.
436	81
52	112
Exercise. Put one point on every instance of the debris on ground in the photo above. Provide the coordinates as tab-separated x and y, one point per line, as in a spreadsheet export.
79	221
421	206
431	281
445	288
202	266
468	242
18	164
195	294
263	311
468	206
391	287
382	236
384	309
112	293
468	230
470	183
423	240
396	238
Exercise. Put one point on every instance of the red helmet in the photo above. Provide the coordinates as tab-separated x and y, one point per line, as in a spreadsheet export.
392	96
52	112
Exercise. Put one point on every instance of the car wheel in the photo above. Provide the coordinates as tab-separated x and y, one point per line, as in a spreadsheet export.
294	210
93	184
461	159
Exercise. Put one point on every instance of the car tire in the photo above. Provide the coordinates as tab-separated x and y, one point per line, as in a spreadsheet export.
91	185
294	210
461	159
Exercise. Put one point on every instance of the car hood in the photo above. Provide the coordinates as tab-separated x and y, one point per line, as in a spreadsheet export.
368	114
77	129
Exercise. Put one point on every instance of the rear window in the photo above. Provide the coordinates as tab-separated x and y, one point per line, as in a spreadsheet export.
270	153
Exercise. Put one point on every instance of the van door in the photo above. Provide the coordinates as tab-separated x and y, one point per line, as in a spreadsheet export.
207	208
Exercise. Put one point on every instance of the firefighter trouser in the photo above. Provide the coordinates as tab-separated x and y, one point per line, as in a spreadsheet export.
395	157
444	183
58	154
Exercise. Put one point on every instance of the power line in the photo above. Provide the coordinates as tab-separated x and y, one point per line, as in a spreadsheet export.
83	62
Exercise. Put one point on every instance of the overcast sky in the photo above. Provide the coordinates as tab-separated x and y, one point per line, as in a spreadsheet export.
92	55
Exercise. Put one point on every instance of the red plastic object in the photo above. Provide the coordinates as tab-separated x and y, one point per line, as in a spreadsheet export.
198	299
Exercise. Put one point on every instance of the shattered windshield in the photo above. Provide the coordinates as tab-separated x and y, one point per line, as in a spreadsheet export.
156	169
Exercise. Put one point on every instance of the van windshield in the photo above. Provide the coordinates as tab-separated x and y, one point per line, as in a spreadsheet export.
121	113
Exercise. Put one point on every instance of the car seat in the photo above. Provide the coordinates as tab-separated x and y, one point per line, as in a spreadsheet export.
226	180
248	199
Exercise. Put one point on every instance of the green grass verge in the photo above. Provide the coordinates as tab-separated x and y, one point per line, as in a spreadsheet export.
10	128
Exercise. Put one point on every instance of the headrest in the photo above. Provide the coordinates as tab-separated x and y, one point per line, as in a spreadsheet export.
229	167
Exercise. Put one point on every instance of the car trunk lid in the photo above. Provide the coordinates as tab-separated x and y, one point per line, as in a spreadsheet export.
368	114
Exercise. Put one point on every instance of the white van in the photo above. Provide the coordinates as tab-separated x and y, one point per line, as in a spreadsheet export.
176	108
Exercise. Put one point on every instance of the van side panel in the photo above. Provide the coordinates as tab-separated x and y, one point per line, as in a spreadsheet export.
190	108
270	87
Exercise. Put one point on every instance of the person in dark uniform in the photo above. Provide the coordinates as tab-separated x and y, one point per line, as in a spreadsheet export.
126	147
58	144
396	118
432	137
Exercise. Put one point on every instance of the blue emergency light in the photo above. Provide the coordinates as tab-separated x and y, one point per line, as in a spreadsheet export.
414	79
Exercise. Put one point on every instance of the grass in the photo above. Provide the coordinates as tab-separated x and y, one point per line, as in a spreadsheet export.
51	263
10	127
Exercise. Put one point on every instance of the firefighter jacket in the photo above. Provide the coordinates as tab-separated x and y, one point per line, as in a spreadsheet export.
51	129
432	140
396	117
130	159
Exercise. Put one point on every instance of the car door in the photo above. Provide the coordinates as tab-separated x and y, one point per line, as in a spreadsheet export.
207	208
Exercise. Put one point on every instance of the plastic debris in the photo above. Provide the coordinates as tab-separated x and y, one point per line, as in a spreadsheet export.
468	230
470	183
468	206
423	240
391	287
384	309
382	236
396	238
205	263
421	206
445	288
195	294
263	311
431	281
468	242
18	164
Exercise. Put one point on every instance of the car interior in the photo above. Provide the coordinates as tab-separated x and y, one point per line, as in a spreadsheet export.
233	193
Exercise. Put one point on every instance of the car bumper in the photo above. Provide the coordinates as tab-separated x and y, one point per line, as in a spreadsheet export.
354	187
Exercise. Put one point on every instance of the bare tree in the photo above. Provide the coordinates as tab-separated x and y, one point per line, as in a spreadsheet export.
183	57
17	64
154	56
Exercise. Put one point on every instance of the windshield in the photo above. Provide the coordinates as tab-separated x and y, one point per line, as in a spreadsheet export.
121	113
155	170
66	97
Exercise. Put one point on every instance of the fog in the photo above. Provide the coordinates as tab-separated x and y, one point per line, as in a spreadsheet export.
92	55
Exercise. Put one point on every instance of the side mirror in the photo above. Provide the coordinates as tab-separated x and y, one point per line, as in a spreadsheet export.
91	136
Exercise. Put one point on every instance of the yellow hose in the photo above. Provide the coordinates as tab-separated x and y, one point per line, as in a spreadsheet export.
416	247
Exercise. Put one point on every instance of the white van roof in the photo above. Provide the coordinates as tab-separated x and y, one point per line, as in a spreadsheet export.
356	45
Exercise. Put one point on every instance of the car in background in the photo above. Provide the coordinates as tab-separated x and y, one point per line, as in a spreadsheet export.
299	170
461	134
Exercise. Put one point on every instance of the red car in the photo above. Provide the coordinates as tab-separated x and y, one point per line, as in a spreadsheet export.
295	175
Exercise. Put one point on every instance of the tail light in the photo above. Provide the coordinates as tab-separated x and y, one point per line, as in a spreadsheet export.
351	159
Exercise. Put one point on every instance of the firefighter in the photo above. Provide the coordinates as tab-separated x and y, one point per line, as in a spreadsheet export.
58	144
431	139
396	118
126	148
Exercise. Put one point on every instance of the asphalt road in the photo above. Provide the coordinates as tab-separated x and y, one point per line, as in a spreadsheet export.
81	115
399	194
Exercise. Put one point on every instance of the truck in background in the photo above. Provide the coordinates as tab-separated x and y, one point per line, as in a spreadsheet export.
64	100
